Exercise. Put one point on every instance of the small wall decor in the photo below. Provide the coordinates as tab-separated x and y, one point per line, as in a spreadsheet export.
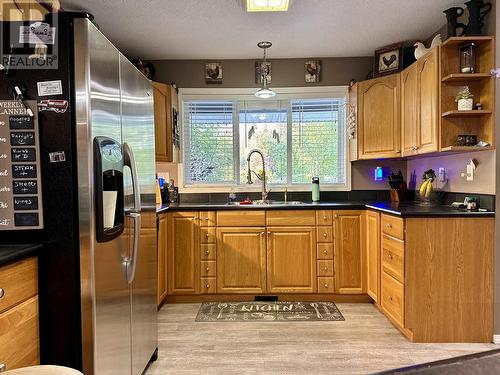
213	72
260	68
388	59
312	71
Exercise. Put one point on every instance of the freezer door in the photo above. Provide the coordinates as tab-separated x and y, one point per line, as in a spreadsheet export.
105	292
138	136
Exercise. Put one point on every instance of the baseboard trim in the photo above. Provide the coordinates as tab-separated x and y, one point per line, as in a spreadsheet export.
340	298
496	339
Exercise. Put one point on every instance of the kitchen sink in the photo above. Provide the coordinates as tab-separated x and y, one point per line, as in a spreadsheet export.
267	203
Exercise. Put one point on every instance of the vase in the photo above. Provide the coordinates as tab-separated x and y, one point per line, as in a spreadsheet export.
465	104
478	9
452	15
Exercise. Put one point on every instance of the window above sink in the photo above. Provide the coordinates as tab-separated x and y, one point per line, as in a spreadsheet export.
301	133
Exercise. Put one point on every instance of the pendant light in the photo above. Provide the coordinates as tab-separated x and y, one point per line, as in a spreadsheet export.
264	92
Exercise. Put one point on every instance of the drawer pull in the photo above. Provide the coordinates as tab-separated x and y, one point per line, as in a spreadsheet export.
325	218
335	216
389	225
326	268
207	286
325	251
207	252
268	233
2	293
325	285
262	233
207	269
207	235
390	298
389	256
325	235
207	219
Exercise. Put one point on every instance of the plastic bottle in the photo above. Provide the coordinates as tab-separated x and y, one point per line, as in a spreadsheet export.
315	189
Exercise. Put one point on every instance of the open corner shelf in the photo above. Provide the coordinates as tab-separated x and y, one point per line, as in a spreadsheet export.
465	77
472	113
459	40
466	148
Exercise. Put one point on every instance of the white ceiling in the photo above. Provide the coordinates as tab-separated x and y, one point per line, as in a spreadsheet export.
220	29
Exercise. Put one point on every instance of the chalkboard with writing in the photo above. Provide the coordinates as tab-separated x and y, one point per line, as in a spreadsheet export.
21	122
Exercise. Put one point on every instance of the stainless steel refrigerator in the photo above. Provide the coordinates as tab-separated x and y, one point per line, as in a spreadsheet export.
115	152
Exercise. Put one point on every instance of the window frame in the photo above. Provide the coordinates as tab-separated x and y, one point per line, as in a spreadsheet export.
237	94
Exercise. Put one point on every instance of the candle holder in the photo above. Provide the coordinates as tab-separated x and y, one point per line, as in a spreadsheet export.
468	58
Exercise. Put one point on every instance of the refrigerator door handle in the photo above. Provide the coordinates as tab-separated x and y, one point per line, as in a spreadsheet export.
134	213
131	262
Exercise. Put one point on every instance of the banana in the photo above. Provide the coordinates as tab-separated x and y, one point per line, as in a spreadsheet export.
429	188
423	187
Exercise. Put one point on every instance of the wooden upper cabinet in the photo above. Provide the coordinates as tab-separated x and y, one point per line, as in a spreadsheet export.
241	260
349	252
163	121
379	121
373	254
428	98
183	238
291	260
409	110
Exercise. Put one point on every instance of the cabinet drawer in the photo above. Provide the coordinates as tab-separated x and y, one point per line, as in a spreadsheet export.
324	234
241	218
19	338
19	281
207	219
393	226
208	268
324	217
207	235
324	251
393	257
290	217
208	251
393	298
208	285
325	284
325	268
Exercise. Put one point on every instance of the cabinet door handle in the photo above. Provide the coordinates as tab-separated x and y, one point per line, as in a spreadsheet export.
207	252
325	252
325	218
335	216
207	219
389	256
390	298
388	225
269	233
262	233
2	292
3	367
325	235
207	235
207	286
325	285
326	268
207	269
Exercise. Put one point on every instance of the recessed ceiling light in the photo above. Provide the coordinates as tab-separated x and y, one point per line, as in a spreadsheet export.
266	5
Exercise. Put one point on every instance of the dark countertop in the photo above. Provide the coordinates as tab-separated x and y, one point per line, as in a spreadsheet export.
12	253
161	208
407	209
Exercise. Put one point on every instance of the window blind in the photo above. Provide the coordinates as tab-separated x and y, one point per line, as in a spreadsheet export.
208	142
318	141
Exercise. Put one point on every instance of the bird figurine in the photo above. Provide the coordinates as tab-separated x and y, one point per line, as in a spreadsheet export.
420	49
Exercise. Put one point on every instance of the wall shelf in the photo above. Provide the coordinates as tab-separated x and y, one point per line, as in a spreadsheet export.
457	41
466	148
472	113
465	77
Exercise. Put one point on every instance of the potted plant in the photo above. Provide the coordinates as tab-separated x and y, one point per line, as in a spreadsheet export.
464	99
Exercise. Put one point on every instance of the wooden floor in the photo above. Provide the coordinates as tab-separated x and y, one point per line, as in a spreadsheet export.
365	342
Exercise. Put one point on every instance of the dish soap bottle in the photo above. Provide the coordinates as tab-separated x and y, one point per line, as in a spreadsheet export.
315	189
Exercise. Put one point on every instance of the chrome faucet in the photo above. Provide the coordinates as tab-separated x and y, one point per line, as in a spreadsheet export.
263	178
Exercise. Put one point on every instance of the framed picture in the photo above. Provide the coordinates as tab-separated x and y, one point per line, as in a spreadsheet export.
259	66
388	60
312	71
213	72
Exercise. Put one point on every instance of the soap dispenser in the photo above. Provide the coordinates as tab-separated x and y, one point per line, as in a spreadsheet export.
315	189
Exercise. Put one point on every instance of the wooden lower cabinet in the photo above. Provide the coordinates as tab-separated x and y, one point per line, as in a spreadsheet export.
373	254
183	251
241	260
349	253
162	259
19	319
291	259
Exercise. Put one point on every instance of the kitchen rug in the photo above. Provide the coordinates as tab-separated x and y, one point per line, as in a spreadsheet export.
268	311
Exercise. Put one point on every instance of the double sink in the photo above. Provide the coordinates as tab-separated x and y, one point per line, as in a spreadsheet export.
266	203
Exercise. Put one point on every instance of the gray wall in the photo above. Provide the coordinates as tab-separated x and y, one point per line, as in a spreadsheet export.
241	73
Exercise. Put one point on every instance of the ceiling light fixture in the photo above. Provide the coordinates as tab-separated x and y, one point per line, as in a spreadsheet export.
266	5
264	92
